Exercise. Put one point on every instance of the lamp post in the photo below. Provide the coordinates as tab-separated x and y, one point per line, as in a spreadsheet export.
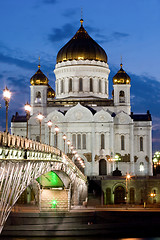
49	123
56	138
7	97
40	118
27	108
64	139
68	143
128	176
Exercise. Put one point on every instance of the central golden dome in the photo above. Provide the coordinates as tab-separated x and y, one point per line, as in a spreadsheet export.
81	47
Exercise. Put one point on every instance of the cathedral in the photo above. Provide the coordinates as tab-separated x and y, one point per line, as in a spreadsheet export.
108	137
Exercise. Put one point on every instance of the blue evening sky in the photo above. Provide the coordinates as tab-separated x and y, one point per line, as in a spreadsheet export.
127	28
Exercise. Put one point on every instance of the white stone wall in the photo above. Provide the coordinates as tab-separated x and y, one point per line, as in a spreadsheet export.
85	69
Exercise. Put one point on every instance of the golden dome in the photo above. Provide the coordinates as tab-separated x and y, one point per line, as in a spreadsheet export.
81	47
50	92
39	78
121	77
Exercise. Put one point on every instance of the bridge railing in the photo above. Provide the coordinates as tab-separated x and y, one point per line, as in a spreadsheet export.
18	142
13	141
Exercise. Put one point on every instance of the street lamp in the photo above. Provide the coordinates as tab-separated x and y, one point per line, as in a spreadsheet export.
49	123
64	139
128	177
40	118
7	97
56	138
27	108
68	143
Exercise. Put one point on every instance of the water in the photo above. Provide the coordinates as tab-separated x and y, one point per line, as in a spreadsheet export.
74	238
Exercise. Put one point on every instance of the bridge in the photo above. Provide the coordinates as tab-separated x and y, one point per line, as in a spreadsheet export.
23	160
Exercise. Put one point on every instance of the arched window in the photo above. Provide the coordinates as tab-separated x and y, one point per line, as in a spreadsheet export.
100	88
80	84
121	97
91	84
70	85
141	167
79	141
84	141
122	143
38	97
141	143
102	141
74	140
62	87
102	167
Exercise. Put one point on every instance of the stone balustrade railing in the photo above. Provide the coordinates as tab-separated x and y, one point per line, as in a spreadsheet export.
18	142
11	141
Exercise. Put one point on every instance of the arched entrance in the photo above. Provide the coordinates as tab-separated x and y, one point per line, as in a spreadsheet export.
119	195
102	167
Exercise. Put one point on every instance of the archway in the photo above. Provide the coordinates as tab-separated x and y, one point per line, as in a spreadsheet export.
119	195
102	167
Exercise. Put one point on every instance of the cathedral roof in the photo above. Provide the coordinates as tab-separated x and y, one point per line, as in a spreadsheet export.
81	47
121	77
39	78
50	92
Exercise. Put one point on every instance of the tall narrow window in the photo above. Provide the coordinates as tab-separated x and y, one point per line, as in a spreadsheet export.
74	140
62	88
100	88
70	85
84	141
141	167
91	84
141	143
106	87
80	84
38	97
102	141
121	97
79	141
122	143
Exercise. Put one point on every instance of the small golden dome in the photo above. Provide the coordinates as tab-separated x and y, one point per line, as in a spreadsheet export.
39	78
50	92
81	47
121	77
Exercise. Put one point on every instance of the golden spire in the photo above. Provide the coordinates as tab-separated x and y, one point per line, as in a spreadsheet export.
39	63
121	62
81	20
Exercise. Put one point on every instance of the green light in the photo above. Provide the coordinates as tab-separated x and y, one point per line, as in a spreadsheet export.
54	204
50	179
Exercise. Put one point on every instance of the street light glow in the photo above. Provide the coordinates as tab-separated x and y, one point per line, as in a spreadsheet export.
64	137
56	129
40	117
27	108
6	94
49	123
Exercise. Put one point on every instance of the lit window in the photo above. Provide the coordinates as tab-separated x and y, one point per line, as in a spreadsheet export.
141	167
121	97
38	97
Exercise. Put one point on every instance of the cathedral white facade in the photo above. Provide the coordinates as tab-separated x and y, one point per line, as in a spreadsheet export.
103	131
